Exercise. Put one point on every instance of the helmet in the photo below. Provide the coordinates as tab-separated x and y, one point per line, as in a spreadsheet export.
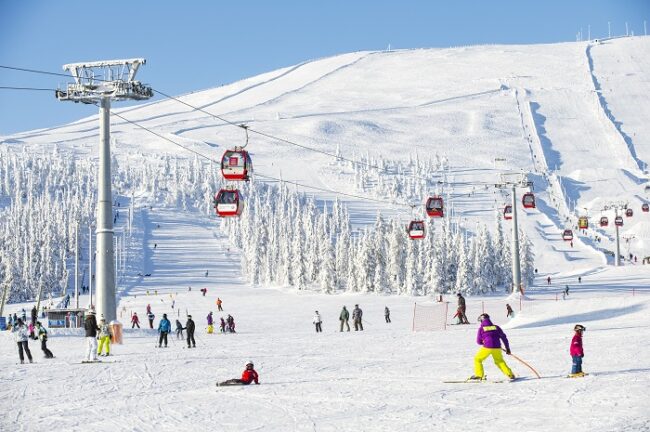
579	327
483	316
189	316
249	363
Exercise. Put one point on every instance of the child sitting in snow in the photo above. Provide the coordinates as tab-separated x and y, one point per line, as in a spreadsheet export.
248	376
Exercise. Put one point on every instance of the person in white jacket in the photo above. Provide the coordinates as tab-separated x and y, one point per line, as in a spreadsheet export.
318	321
21	335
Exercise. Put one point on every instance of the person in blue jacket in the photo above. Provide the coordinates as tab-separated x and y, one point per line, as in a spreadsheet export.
164	328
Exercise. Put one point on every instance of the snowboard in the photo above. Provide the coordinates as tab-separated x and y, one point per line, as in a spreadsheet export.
577	376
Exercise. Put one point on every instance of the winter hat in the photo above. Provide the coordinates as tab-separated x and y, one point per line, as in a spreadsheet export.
164	315
579	327
91	312
483	316
250	362
189	316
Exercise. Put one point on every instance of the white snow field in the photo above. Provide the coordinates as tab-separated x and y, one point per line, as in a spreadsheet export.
573	115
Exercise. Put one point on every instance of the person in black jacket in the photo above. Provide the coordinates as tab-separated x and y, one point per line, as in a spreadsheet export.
91	336
179	330
190	327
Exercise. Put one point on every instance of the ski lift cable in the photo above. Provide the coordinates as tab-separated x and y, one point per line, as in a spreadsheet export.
257	174
26	88
261	133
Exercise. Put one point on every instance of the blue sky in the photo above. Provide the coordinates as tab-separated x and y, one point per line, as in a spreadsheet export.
192	45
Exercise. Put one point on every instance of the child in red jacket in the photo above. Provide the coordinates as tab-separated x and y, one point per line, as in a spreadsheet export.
248	376
576	351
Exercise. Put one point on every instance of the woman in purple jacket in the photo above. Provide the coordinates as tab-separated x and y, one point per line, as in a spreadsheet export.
489	337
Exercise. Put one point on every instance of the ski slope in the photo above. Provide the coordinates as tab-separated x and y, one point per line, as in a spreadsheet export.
385	378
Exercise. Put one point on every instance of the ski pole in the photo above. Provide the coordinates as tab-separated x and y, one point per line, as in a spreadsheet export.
524	363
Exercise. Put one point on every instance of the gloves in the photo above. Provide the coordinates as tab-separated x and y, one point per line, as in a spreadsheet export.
508	351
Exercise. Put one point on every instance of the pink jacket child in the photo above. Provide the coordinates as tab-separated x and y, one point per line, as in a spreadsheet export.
576	351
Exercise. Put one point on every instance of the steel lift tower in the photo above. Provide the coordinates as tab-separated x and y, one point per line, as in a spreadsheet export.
98	83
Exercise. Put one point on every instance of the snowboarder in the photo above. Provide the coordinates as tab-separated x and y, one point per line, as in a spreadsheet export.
357	315
104	338
248	376
387	314
510	312
150	317
462	308
223	325
576	351
317	322
164	327
90	326
21	334
219	304
179	330
190	326
344	317
489	336
135	321
42	335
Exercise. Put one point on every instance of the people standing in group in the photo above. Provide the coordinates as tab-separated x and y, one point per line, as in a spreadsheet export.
164	327
509	312
104	338
462	309
150	317
317	322
189	328
387	314
577	352
42	335
179	329
344	317
219	308
135	321
90	326
490	336
357	318
230	321
21	334
223	325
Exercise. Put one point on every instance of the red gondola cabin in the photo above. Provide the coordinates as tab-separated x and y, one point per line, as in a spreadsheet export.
236	165
228	203
629	213
435	206
645	208
416	229
618	221
528	200
567	235
604	221
507	212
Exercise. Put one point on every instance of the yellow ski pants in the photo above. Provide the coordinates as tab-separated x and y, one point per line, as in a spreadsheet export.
497	356
104	340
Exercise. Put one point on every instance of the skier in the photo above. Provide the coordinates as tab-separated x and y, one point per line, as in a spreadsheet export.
387	314
566	290
357	315
344	317
577	353
135	321
150	316
318	321
548	280
210	323
462	308
42	335
104	338
489	336
148	308
164	327
204	291
231	323
219	304
206	273
223	325
189	326
21	334
179	330
248	376
510	312
91	328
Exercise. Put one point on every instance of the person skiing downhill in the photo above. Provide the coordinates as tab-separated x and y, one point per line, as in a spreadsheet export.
344	317
577	353
248	376
317	322
90	326
490	336
42	335
164	327
190	327
21	334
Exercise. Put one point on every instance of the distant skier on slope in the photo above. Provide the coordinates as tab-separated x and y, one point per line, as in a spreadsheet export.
509	312
90	327
317	322
219	302
190	327
462	310
135	321
164	327
42	335
576	351
179	330
387	314
150	317
489	336
357	317
21	334
248	376
223	325
344	317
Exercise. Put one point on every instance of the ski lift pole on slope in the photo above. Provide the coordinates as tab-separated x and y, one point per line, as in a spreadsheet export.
525	364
